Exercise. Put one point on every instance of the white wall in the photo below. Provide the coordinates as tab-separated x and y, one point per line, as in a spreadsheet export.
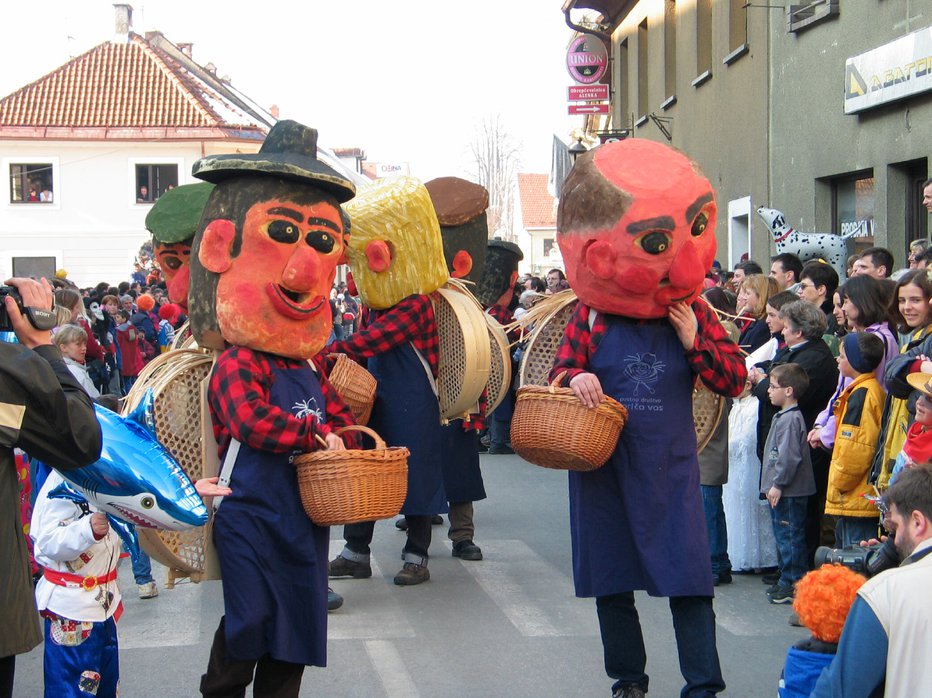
94	227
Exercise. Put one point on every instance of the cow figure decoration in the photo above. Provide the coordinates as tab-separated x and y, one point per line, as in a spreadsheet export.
827	246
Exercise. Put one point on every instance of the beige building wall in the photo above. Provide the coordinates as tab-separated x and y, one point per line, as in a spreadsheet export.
817	149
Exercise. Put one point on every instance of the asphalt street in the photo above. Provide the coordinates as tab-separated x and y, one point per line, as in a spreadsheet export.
508	625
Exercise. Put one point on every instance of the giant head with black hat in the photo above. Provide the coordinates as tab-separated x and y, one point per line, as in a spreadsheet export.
497	284
268	244
173	220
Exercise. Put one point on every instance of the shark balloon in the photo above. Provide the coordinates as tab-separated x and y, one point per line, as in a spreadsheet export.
136	479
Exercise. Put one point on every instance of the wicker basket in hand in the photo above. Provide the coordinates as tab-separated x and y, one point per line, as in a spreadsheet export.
355	385
343	487
553	429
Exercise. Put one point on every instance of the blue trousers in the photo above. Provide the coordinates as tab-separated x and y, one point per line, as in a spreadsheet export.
715	523
851	530
789	530
77	666
694	627
142	570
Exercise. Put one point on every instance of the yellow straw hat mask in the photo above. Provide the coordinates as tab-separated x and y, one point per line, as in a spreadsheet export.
921	382
394	249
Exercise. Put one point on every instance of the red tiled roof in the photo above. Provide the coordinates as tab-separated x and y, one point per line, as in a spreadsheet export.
136	85
537	205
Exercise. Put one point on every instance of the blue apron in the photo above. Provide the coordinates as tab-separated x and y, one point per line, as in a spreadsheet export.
462	478
272	557
638	522
406	413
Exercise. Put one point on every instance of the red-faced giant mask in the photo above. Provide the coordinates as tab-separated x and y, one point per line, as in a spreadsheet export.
272	294
174	261
636	226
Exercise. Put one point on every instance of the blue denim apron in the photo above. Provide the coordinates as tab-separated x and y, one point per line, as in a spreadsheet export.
272	557
462	478
637	522
406	413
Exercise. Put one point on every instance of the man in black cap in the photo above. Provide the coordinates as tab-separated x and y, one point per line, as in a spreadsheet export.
496	292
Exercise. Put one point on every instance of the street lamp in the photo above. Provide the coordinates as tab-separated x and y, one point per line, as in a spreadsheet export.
577	149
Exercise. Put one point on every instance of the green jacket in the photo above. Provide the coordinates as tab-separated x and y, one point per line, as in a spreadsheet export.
46	413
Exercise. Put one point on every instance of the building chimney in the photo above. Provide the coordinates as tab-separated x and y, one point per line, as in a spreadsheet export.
187	49
124	23
273	110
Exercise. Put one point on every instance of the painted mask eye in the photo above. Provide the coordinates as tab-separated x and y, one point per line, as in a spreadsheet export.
173	263
654	243
699	225
283	231
320	241
147	502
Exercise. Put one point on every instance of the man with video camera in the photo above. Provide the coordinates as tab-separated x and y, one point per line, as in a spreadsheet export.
883	649
46	413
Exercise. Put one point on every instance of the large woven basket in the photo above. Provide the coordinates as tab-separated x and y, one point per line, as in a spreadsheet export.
178	380
500	366
553	429
355	385
708	409
344	487
465	351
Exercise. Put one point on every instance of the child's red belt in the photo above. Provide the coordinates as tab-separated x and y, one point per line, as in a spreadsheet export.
76	581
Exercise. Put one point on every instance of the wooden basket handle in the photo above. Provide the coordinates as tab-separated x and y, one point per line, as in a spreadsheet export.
379	443
555	383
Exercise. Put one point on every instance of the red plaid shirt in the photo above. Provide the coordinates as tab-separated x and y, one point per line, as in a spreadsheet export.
505	317
240	389
410	320
714	357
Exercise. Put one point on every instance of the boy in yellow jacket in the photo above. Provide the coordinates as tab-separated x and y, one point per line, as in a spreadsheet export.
858	413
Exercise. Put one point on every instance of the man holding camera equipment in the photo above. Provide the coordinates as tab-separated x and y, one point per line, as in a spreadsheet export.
884	646
46	413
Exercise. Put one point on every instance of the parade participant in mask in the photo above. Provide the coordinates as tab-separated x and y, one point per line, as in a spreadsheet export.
637	231
496	292
461	206
262	264
173	220
397	260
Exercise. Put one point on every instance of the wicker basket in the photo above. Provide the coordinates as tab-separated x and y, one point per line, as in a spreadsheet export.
355	385
343	487
553	429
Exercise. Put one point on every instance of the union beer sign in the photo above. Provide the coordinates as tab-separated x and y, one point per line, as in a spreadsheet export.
587	59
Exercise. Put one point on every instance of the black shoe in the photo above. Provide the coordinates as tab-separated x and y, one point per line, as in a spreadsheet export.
780	595
437	520
483	448
497	450
342	567
629	692
771	579
412	574
721	578
401	524
334	600
467	550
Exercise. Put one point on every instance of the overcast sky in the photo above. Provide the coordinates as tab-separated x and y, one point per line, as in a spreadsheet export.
406	81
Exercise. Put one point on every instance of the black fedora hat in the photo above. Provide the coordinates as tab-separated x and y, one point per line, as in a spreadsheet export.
289	152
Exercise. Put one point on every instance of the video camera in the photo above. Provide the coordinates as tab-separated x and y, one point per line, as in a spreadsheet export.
868	561
38	318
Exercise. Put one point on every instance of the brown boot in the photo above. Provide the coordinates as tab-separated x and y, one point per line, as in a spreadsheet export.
412	574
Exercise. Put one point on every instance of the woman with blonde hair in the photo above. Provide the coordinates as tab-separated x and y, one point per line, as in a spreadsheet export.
753	294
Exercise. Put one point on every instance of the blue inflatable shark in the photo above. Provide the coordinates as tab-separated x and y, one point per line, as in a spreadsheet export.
136	479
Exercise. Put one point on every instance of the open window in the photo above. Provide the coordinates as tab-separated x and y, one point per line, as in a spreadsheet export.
153	180
32	182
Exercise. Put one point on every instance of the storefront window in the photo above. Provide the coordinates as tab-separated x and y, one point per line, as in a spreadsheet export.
853	206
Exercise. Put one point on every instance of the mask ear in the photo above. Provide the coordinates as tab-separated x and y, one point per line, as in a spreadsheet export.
378	255
216	243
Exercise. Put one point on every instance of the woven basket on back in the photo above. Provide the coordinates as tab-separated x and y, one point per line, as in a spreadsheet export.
464	351
355	385
500	367
708	409
343	487
553	429
178	380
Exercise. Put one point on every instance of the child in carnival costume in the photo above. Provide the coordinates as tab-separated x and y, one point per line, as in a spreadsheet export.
262	264
636	226
396	255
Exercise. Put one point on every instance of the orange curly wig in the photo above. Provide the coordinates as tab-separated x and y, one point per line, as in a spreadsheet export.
823	599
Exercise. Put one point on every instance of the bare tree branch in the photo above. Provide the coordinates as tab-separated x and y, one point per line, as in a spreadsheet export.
496	159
